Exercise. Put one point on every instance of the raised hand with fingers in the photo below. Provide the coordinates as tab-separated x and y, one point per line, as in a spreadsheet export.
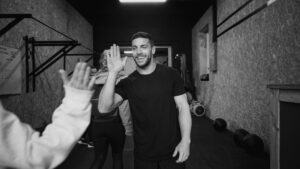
114	61
80	78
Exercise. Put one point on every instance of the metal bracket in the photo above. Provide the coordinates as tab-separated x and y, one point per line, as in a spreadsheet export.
80	54
31	44
245	17
17	18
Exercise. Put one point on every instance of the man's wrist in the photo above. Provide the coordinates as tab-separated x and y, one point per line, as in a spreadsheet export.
112	75
186	140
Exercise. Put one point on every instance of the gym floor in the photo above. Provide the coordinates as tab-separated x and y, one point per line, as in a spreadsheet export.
209	150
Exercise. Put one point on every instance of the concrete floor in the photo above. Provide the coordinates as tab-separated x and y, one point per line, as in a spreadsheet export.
209	150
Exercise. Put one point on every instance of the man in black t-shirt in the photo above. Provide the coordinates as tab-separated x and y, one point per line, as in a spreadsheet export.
158	103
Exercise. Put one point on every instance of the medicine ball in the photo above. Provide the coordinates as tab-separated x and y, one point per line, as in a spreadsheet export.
219	124
253	144
239	135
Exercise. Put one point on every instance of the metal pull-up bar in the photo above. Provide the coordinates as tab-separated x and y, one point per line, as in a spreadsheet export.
236	11
215	26
17	18
67	46
32	43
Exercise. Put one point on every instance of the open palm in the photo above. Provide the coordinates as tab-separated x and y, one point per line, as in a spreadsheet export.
114	61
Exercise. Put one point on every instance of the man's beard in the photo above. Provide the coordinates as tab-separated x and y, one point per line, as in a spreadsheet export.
147	63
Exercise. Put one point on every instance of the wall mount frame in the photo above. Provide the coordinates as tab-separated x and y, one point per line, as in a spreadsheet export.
17	18
31	44
30	48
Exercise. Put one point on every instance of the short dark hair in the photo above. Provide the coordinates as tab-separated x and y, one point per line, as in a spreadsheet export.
143	35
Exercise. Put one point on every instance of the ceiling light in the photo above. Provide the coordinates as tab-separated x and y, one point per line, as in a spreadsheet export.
143	1
127	52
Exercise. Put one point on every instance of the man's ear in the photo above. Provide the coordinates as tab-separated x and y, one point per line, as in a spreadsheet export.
153	50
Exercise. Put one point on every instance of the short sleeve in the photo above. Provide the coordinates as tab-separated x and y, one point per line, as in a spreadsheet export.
120	89
178	86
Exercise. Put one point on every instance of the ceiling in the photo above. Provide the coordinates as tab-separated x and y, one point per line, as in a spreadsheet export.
97	10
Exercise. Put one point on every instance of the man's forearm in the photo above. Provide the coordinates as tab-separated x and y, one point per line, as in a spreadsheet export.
185	123
106	97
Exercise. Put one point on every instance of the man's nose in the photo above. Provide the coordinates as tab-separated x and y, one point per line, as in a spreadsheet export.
139	50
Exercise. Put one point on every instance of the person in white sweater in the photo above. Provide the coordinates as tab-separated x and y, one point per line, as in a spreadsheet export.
23	147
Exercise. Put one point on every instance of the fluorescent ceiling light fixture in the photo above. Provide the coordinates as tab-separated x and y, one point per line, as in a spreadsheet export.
143	1
127	52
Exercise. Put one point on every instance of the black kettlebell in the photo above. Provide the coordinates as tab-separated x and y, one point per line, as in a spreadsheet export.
253	144
238	136
219	124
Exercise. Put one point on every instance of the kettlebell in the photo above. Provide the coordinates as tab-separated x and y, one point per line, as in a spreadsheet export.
239	135
219	124
253	144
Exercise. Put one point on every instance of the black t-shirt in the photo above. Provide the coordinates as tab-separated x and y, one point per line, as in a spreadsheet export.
153	110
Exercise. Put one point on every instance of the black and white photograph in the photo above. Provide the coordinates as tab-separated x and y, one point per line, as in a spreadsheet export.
149	84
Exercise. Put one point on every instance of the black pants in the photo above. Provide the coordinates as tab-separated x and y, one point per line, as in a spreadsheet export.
104	133
162	164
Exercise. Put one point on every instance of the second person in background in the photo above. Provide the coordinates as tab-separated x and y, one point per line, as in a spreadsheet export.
108	129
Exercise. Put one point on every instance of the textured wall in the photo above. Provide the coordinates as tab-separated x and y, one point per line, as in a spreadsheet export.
37	107
262	50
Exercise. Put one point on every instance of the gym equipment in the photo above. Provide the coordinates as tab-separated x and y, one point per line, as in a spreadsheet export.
219	124
253	144
30	45
17	18
197	108
239	135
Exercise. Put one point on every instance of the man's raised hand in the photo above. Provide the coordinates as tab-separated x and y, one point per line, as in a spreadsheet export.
114	61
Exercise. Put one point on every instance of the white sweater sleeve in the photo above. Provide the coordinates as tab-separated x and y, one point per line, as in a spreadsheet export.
22	147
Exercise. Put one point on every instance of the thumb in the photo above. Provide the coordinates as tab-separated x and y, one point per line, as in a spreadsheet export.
175	152
124	60
63	76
